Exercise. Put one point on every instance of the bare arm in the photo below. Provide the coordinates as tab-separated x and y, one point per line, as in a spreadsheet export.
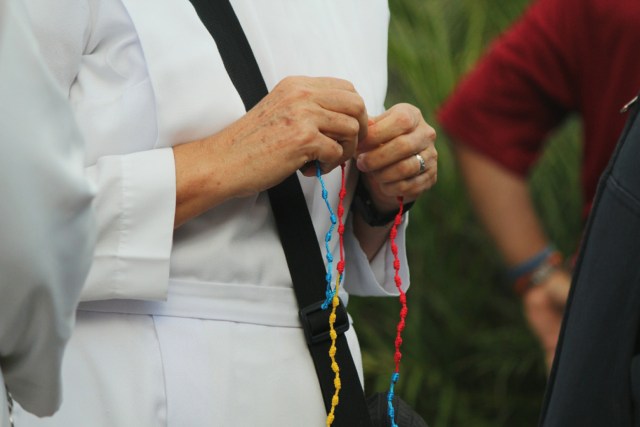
503	204
501	200
371	238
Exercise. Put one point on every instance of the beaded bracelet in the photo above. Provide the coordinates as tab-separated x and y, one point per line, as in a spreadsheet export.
551	263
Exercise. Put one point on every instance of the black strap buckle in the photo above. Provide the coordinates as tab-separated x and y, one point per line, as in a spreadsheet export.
315	322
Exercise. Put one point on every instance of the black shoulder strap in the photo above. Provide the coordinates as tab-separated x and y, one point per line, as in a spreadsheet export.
304	257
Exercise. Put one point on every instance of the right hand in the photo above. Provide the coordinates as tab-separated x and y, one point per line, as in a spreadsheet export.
301	120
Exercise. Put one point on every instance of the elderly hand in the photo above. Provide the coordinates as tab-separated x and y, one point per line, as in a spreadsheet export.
301	120
390	156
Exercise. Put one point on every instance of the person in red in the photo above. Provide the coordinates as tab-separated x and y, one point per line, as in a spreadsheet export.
561	57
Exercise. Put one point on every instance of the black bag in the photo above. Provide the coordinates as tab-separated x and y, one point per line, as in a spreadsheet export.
304	258
405	415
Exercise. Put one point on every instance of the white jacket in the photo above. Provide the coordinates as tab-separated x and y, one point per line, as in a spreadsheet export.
46	237
143	77
211	306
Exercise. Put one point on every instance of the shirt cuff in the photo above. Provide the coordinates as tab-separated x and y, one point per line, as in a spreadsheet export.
135	207
375	278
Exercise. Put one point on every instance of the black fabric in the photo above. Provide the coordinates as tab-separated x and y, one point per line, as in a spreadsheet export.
363	204
314	320
405	416
595	379
221	21
304	257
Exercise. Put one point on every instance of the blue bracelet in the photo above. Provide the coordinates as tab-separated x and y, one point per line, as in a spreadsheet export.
529	265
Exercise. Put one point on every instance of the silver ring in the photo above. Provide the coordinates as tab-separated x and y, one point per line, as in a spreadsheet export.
423	165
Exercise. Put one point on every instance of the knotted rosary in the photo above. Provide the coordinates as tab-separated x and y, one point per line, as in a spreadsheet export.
332	291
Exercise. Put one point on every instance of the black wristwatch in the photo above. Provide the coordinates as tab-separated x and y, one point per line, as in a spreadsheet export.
363	204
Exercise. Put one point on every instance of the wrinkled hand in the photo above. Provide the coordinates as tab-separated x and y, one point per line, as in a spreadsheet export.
301	120
544	307
387	157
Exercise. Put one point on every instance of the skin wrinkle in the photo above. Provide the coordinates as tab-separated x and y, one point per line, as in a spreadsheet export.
302	120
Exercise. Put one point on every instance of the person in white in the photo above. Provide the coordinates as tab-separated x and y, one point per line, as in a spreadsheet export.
189	316
46	222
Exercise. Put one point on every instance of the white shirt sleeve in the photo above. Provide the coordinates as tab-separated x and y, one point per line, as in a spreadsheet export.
375	277
135	208
46	223
135	201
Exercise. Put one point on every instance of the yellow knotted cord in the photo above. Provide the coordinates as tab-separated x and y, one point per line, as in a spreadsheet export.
332	353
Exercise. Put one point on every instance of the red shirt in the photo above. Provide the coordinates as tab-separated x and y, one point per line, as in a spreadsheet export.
562	56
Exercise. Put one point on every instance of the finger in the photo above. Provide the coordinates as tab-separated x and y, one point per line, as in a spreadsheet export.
399	148
327	152
341	128
316	83
408	168
346	102
557	285
409	177
332	94
398	120
409	188
331	83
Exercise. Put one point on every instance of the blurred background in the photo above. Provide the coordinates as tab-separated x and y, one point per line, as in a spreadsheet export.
469	358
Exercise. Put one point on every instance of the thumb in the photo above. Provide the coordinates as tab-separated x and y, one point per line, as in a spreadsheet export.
369	143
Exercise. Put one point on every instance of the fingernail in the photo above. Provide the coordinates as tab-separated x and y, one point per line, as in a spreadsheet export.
360	163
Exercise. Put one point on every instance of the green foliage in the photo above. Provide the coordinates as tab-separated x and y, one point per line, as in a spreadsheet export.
469	359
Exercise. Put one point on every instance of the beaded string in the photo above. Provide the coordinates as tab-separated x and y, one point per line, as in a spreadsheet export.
330	292
332	355
403	313
335	301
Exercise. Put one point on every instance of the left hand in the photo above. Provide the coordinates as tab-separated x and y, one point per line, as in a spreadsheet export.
388	159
